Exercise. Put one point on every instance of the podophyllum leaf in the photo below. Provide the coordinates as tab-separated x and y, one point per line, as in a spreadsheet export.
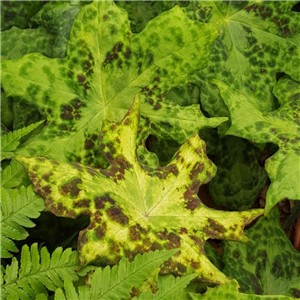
57	17
230	291
17	13
18	206
239	177
17	42
10	141
268	264
7	115
140	12
281	127
134	208
105	67
258	40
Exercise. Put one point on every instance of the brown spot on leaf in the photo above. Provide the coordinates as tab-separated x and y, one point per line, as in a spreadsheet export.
100	201
71	188
100	231
80	78
116	214
82	203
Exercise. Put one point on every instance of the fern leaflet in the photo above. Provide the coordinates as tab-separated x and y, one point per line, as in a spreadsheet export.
10	141
116	282
13	175
169	288
17	207
38	272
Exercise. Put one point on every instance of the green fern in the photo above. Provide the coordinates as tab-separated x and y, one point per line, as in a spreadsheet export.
17	207
10	141
169	288
13	175
116	282
38	272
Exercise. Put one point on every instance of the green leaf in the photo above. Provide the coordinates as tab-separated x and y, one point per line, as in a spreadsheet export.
105	67
13	175
239	177
134	208
281	127
268	264
257	40
11	141
57	17
118	281
17	13
140	12
169	288
230	291
18	206
38	271
17	42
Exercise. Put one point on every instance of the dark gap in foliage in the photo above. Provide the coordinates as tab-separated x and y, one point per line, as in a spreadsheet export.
269	150
279	75
296	7
47	227
150	142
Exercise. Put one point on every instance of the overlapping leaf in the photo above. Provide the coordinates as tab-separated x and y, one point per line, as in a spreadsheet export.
281	127
230	291
106	65
134	208
268	264
239	177
258	39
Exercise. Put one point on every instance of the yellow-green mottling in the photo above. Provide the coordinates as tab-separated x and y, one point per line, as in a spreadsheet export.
134	208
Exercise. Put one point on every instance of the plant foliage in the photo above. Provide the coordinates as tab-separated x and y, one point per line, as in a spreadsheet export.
138	140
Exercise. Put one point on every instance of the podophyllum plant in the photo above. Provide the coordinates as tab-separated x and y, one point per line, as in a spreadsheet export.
114	114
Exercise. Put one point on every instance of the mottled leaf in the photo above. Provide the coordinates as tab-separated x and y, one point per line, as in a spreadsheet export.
106	66
17	42
134	208
17	13
141	12
258	39
268	264
57	17
230	291
239	177
281	127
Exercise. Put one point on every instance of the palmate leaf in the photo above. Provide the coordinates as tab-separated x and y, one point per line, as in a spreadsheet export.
239	177
38	271
16	42
268	264
57	17
18	13
258	40
18	206
230	291
134	208
281	127
105	67
118	281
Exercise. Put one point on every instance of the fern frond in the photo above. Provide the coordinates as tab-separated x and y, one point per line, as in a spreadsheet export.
38	272
169	288
17	207
116	282
13	175
10	141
